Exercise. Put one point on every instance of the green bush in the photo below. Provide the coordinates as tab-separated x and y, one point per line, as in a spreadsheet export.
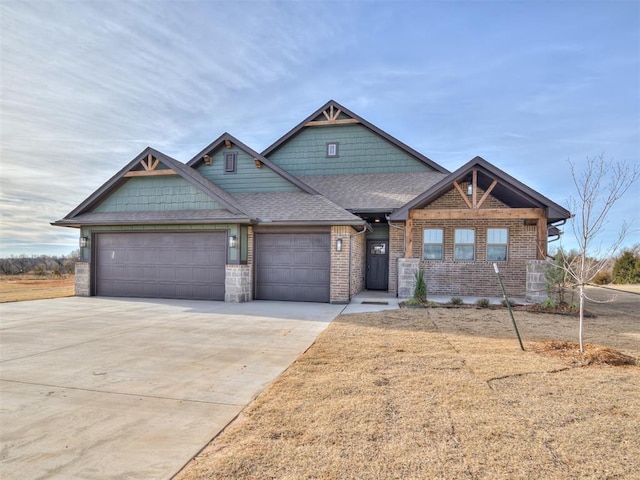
627	266
456	300
548	303
420	290
483	303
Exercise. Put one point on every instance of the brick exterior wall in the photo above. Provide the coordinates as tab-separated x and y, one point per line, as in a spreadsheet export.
340	264
477	277
358	262
396	251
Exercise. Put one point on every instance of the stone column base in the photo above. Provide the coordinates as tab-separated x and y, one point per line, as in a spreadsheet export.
536	281
407	269
83	279
237	283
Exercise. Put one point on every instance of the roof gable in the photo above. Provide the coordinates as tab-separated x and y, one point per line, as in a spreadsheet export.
153	164
492	181
332	114
251	175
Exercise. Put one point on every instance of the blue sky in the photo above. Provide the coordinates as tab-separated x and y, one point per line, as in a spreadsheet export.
85	86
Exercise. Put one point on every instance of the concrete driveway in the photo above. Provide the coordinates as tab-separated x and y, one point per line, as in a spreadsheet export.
99	388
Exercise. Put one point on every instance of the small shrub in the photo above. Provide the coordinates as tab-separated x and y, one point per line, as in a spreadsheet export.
413	302
548	303
456	300
483	303
420	290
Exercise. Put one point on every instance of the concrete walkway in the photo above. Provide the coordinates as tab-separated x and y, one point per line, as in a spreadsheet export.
98	388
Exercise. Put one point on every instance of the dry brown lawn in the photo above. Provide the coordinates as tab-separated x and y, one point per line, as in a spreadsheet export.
441	394
16	288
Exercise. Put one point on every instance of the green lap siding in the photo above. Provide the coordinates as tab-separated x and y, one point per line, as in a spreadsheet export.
247	178
157	194
359	151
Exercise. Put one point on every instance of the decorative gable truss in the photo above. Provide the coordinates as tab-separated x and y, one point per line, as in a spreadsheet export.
511	200
332	115
148	166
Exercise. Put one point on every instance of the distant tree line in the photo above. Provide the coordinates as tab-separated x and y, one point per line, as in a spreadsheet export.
622	269
41	265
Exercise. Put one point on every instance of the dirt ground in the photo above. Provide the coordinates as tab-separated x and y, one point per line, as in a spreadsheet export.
442	393
16	288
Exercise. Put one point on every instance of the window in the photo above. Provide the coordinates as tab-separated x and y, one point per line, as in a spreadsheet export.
230	162
432	244
497	241
332	149
464	248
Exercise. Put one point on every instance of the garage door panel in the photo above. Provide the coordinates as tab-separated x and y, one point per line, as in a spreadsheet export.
164	265
293	266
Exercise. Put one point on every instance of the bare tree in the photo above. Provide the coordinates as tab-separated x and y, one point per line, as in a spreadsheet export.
598	186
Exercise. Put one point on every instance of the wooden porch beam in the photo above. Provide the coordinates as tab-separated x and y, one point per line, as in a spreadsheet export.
484	213
464	197
474	188
541	234
486	193
149	173
343	121
408	239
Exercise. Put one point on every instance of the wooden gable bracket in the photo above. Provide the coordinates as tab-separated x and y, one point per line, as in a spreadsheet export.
207	160
228	144
257	162
331	114
474	203
149	166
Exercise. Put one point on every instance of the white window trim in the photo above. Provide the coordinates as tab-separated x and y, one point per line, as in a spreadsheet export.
441	245
505	245
456	244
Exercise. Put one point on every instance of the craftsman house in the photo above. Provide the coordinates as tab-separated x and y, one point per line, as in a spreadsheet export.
333	207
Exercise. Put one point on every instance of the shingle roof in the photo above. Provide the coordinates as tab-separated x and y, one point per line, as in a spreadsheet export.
146	218
296	207
384	191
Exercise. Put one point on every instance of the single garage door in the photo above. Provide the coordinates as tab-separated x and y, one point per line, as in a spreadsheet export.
161	265
293	266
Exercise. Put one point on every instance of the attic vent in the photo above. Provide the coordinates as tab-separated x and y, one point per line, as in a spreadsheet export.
230	162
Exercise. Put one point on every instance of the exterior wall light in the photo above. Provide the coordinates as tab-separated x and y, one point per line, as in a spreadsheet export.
84	241
470	189
338	245
233	240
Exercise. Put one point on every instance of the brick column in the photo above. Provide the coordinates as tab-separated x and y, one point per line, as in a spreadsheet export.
340	265
237	283
83	279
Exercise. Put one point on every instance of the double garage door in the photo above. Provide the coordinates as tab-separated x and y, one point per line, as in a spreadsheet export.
161	265
288	266
293	266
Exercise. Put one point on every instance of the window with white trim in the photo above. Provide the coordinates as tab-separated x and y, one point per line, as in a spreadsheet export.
464	247
497	242
332	149
432	248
